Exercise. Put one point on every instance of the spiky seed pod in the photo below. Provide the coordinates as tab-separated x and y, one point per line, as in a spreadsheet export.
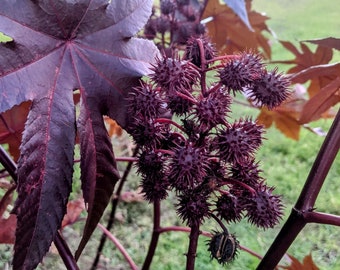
193	206
228	208
182	2
240	72
147	132
269	89
155	186
162	24
167	7
212	110
239	141
223	247
247	172
190	13
151	166
216	173
252	61
184	32
265	209
178	105
199	29
192	51
187	167
173	74
194	132
146	101
149	161
190	128
150	29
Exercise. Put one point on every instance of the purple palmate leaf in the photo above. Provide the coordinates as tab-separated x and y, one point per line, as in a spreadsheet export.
59	46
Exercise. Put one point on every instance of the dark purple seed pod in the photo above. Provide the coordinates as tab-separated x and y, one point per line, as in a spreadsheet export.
167	7
173	74
212	110
187	167
228	208
240	72
179	105
223	247
247	172
147	132
239	141
264	209
269	89
190	13
193	206
193	53
149	161
150	29
154	186
200	29
184	32
151	166
163	24
146	101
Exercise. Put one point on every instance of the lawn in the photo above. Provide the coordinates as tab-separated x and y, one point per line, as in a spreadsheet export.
300	20
285	163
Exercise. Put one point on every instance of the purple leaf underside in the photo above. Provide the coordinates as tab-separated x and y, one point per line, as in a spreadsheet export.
59	46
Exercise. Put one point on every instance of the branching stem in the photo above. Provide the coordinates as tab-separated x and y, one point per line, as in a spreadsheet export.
303	213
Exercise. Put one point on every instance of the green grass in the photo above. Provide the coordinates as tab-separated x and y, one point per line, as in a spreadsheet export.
286	164
300	20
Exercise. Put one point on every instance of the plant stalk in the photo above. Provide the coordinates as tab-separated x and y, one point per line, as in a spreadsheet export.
119	246
193	241
155	235
304	207
8	163
65	253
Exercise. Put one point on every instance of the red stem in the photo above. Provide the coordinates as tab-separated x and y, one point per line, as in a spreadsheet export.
206	234
169	121
120	247
189	98
234	181
321	167
203	68
126	159
155	235
193	241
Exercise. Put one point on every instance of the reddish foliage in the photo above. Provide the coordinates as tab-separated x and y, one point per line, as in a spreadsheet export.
229	32
307	264
12	124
